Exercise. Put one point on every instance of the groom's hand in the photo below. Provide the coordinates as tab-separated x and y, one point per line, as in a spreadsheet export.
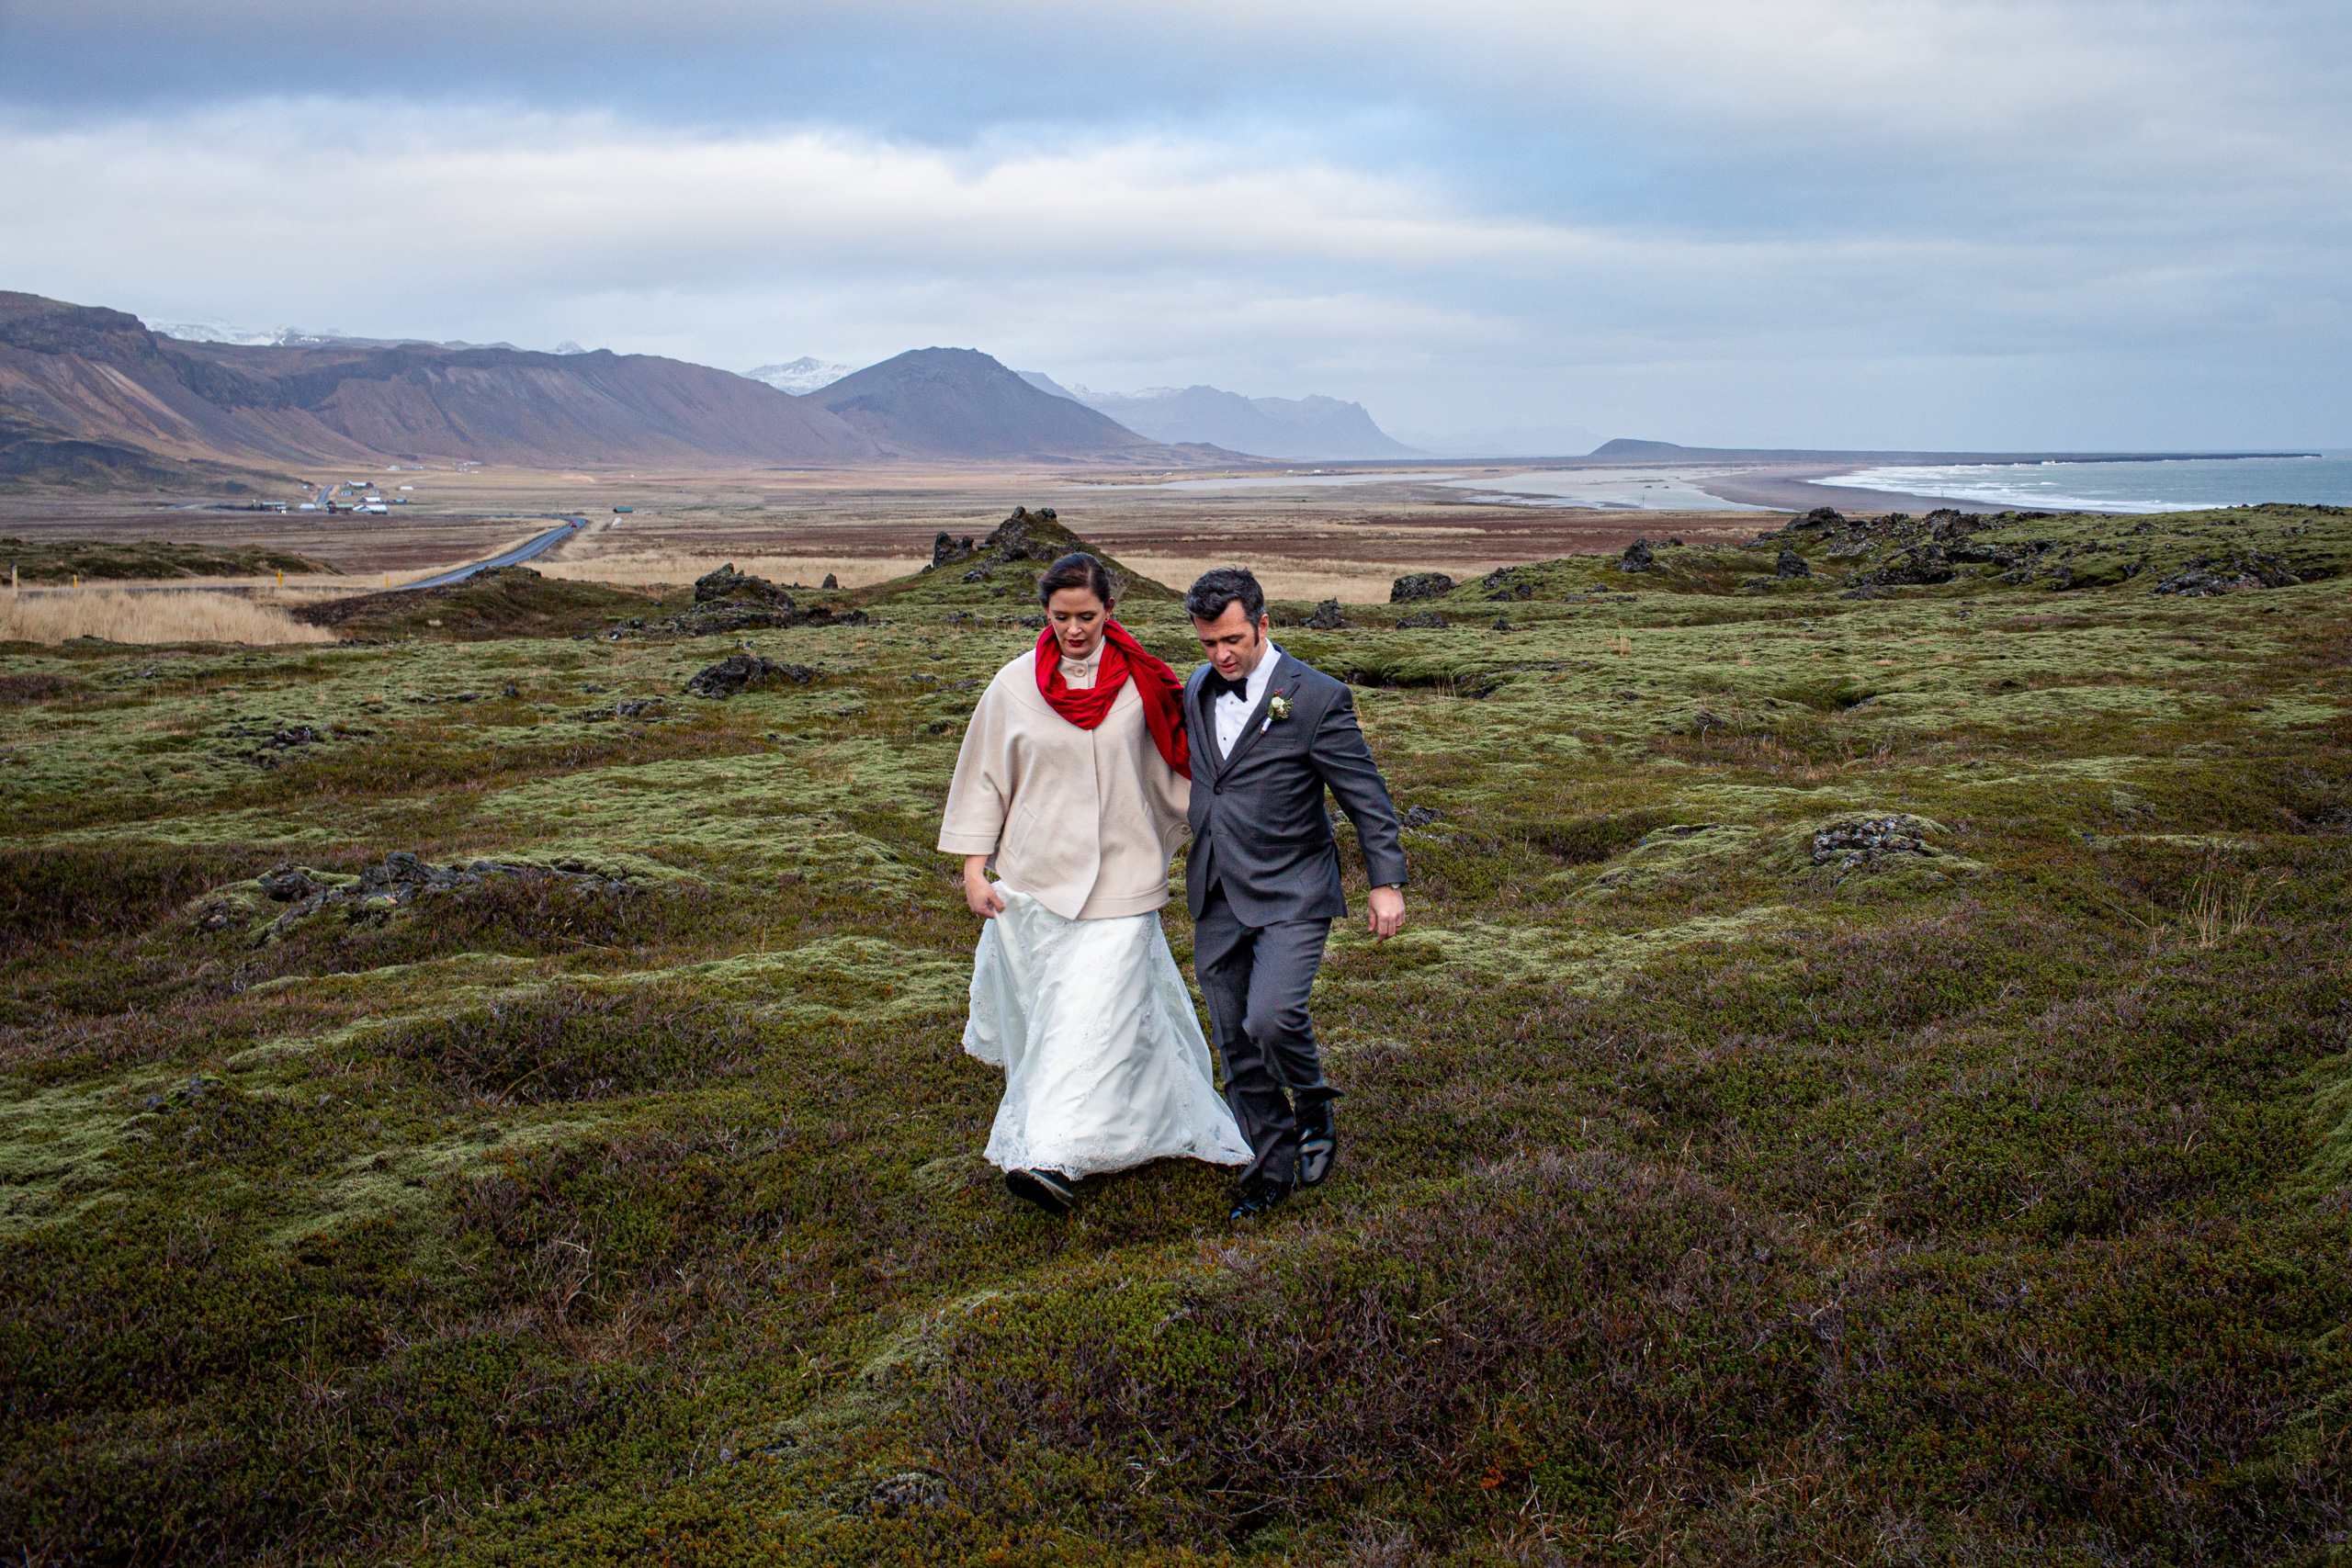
1385	912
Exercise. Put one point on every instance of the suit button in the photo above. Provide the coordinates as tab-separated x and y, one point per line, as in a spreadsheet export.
1216	789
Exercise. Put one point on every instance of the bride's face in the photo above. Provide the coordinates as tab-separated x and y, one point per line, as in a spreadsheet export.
1078	618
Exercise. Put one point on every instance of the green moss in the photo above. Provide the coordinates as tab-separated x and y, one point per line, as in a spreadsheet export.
1705	1192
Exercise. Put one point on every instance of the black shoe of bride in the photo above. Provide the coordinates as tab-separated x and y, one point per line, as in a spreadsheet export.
1319	1146
1257	1198
1049	1189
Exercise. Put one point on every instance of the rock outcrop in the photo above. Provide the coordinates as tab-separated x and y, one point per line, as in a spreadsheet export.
728	583
1917	566
742	672
2204	577
1415	586
373	895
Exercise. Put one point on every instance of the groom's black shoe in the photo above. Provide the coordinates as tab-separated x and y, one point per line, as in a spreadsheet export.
1047	1188
1319	1146
1258	1197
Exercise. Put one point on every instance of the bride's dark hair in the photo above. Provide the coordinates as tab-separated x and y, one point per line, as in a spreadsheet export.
1078	569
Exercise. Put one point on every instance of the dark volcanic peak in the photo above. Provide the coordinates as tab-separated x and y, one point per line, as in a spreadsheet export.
960	402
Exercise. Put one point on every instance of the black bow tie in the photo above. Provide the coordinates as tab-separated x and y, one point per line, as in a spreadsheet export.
1221	687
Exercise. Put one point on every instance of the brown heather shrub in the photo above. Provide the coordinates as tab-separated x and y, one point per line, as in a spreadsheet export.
574	1044
1544	1334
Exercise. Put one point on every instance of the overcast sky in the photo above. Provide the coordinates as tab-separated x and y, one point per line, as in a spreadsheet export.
2100	223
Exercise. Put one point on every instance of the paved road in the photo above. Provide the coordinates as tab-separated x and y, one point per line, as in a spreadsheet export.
514	556
539	546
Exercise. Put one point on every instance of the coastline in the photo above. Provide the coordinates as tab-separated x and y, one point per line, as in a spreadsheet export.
1794	489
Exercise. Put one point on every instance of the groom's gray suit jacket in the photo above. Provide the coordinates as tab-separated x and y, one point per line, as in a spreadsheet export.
1259	825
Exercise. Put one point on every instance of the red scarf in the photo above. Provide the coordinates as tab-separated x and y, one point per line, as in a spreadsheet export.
1162	693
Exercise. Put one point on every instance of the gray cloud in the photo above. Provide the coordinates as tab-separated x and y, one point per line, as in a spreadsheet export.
1819	221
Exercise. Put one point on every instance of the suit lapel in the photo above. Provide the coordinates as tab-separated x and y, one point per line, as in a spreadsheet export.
1204	724
1285	684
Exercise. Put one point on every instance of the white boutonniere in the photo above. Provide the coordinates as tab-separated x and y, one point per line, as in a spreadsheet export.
1277	708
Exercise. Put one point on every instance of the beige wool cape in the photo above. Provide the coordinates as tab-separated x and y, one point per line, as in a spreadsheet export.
1082	821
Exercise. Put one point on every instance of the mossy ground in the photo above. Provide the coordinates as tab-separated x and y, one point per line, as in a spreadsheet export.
1698	1204
63	560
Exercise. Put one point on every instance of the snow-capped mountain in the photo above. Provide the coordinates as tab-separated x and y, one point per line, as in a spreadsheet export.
213	331
803	376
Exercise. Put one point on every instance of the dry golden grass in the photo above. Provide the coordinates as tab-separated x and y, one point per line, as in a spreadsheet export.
150	617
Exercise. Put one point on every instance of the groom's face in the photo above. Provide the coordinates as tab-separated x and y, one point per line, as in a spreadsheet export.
1233	643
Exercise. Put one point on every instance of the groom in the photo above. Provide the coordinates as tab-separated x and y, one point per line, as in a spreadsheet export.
1269	734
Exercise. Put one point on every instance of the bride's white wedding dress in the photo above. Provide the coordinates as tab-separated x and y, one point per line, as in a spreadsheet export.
1104	1064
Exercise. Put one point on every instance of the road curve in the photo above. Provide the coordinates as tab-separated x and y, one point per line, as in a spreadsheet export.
514	556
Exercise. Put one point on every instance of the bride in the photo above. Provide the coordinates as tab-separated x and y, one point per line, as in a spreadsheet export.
1071	786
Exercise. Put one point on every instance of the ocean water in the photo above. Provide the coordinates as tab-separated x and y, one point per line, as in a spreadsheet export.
2171	485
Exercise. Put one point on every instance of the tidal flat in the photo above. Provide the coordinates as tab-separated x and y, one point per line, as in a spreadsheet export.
1868	1080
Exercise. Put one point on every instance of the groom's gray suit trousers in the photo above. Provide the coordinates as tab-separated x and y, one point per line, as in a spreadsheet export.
1257	979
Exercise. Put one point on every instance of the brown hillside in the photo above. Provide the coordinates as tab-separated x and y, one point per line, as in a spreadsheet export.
100	376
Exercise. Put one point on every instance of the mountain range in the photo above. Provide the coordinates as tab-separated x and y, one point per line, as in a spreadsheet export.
1317	426
88	374
91	395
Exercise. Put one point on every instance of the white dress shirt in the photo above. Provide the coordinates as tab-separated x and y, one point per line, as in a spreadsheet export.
1232	713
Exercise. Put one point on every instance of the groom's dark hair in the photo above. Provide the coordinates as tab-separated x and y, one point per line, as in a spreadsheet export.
1225	585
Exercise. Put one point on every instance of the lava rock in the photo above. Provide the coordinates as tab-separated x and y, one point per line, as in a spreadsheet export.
1422	620
2204	577
1863	843
1917	566
1504	585
1419	585
1327	617
287	882
1638	557
1791	564
740	672
728	583
831	581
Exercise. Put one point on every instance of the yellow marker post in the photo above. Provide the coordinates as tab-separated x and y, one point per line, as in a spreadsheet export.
281	579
